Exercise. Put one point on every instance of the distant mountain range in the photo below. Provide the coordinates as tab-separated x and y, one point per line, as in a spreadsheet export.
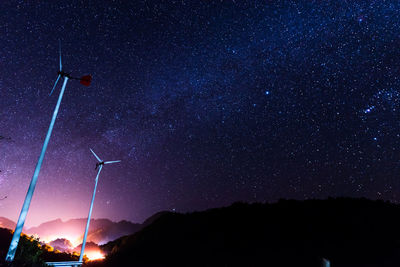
101	230
6	223
61	244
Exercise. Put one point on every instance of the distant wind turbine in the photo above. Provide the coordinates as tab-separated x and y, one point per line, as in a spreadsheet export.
99	165
85	80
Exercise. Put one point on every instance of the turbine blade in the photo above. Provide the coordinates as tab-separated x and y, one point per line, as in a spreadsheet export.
55	84
113	161
60	56
95	155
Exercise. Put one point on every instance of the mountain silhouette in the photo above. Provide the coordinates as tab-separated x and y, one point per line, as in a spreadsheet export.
60	234
100	230
348	232
62	244
6	223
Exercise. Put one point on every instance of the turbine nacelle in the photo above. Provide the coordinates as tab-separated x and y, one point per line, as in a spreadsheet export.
84	80
102	162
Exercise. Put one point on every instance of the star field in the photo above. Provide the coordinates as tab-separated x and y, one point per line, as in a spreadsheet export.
205	103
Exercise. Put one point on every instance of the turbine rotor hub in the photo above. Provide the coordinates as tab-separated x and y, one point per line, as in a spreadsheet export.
64	74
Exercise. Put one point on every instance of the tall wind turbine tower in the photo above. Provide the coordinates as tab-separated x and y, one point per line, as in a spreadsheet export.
99	165
85	80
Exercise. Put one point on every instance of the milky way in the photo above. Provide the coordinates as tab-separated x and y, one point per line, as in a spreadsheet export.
205	103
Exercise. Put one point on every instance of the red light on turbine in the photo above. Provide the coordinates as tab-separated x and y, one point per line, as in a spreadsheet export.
86	80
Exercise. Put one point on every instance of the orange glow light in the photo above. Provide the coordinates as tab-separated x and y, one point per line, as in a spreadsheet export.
94	255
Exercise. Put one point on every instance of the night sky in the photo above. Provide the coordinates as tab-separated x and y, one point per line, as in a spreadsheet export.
205	102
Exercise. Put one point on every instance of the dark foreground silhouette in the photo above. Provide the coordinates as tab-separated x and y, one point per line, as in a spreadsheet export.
348	232
30	252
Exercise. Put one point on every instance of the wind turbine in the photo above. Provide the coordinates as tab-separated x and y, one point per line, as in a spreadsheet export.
99	165
85	80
